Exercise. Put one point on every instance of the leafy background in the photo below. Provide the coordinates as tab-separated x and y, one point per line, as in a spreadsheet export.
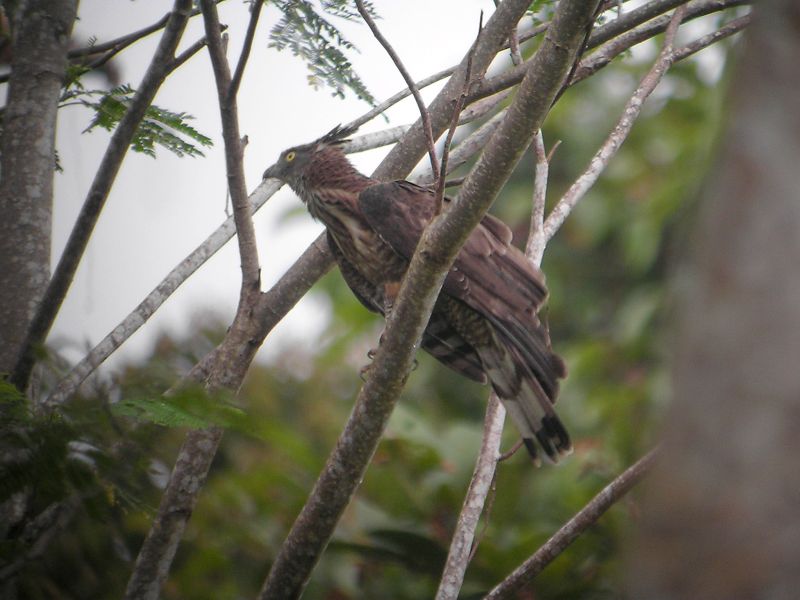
609	317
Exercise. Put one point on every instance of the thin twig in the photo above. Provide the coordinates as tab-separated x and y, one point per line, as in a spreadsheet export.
534	248
729	29
573	528
612	144
511	451
469	147
190	52
459	105
402	94
611	30
423	110
98	193
236	80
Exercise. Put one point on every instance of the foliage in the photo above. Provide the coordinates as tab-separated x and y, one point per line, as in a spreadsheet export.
308	34
159	127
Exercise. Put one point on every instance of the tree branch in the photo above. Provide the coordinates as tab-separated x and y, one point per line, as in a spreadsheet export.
461	545
534	249
491	39
611	30
230	360
27	149
423	110
573	528
612	144
247	45
98	193
435	253
229	113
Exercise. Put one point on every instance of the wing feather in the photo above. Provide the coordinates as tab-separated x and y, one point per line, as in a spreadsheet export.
489	275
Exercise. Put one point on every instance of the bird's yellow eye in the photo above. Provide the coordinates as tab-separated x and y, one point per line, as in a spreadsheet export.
290	156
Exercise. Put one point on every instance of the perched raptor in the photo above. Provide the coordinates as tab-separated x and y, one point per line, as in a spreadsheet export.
484	324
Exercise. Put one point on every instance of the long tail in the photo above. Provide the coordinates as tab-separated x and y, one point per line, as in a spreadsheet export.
529	406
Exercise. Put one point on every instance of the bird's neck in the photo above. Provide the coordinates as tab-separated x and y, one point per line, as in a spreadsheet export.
331	184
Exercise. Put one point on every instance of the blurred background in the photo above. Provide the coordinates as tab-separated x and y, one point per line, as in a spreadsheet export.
607	270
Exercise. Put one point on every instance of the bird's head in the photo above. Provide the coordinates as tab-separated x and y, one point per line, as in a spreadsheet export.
293	164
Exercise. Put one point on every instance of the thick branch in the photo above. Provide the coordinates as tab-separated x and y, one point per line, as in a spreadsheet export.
98	193
41	32
404	327
187	479
573	528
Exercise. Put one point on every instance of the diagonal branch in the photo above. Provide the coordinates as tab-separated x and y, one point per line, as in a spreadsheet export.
436	251
573	528
98	193
423	110
612	144
247	45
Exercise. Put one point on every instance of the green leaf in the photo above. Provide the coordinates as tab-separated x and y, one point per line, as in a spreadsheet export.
309	35
159	127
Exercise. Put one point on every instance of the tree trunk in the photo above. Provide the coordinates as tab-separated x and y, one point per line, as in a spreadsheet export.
721	514
40	33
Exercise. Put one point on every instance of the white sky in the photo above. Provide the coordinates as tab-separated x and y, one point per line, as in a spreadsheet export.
160	210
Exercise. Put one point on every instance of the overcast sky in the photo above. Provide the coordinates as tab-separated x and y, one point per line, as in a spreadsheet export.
160	210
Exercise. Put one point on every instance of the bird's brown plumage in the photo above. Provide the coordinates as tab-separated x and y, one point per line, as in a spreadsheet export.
484	324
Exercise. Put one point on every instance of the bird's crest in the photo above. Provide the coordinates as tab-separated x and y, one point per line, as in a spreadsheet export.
337	135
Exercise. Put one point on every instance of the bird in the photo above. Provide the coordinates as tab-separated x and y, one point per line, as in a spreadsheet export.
484	324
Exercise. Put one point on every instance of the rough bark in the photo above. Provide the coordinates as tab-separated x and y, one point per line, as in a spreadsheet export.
57	287
721	510
41	30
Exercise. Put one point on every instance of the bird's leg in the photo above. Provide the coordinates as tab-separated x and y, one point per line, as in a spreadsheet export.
390	291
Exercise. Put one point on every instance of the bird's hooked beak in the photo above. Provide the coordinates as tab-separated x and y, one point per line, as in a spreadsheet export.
271	172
